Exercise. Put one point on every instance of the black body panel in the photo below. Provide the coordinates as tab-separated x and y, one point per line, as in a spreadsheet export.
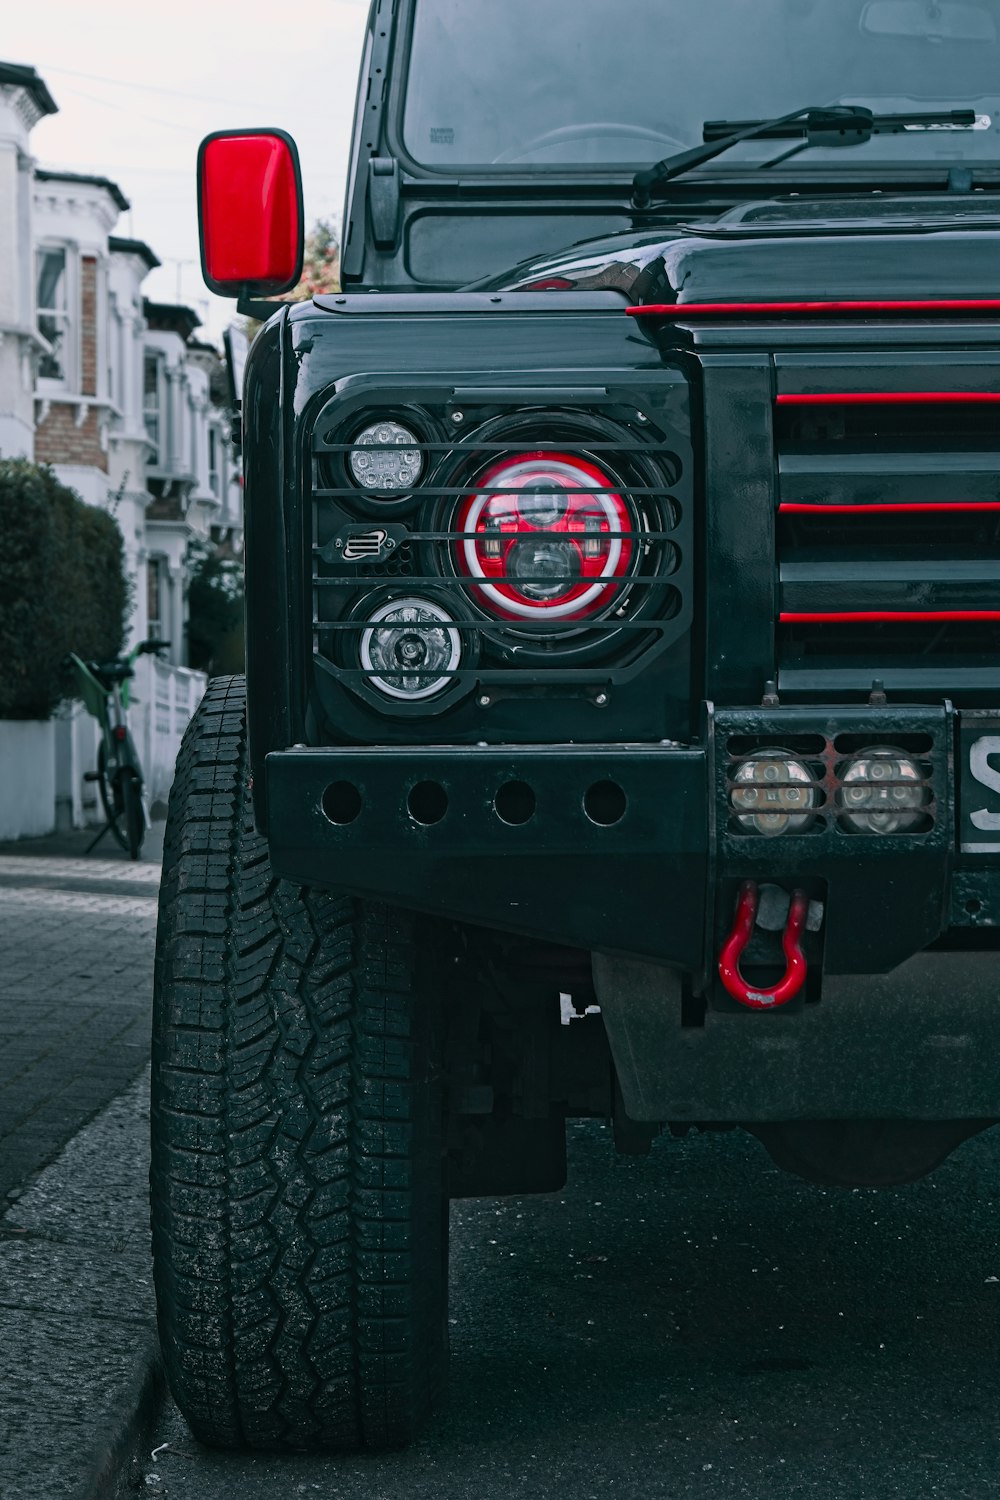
789	557
831	260
715	398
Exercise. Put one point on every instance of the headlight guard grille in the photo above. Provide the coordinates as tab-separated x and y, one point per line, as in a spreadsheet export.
366	548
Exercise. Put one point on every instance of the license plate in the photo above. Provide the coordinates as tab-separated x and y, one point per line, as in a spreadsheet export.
979	740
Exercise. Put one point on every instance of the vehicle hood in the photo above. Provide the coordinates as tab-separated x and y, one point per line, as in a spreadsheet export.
860	247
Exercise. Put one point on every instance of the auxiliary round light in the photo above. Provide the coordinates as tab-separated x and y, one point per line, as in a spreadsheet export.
386	458
774	793
883	791
410	648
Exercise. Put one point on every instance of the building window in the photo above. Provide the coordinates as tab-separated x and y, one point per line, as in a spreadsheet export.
154	598
116	358
54	322
195	433
152	403
214	477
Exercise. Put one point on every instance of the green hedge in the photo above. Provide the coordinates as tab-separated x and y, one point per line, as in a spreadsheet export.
62	588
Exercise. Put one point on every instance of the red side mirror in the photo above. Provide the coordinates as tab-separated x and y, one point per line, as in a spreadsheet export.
250	212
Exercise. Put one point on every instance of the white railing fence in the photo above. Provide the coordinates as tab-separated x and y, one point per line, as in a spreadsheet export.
164	699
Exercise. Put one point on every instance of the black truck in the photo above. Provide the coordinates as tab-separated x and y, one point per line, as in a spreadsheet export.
620	734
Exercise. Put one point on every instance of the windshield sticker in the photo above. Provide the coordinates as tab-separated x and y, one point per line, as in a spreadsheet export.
442	135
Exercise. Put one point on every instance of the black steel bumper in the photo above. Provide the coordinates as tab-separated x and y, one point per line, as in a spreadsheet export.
627	849
585	865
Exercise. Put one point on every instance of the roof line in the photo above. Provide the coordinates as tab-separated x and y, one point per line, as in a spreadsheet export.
47	174
19	75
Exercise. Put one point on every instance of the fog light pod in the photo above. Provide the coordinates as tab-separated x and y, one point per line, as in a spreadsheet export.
774	793
882	791
386	458
410	648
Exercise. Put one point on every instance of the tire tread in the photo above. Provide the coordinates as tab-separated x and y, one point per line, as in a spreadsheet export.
297	1264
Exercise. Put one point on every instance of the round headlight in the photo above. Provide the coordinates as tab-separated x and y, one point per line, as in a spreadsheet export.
407	647
774	793
547	538
883	791
386	458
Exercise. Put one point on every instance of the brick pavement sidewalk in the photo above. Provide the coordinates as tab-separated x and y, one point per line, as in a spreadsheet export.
77	1376
76	953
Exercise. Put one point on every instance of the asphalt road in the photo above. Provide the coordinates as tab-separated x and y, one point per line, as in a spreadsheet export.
694	1324
690	1324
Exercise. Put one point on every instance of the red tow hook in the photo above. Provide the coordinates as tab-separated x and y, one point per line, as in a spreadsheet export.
795	960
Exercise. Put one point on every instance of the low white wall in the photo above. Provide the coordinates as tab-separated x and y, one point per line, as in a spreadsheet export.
42	766
27	778
76	735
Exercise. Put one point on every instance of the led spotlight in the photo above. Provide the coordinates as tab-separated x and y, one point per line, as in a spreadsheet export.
386	458
883	791
774	793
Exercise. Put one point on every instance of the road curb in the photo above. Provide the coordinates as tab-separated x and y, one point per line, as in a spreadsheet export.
125	1426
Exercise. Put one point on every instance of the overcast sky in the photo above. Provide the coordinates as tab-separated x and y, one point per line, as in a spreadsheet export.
138	86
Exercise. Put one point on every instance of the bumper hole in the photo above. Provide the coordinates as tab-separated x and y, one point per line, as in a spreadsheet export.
605	803
427	802
342	802
515	803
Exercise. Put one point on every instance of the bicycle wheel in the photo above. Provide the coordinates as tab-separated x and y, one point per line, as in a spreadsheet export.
132	810
120	789
109	785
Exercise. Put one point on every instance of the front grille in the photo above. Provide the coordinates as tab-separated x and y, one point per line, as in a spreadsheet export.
888	526
368	550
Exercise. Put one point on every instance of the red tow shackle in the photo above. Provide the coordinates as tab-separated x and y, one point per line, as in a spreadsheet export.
795	960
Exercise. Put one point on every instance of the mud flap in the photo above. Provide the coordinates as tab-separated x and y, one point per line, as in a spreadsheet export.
641	1006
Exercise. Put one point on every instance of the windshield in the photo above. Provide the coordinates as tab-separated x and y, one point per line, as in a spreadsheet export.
585	83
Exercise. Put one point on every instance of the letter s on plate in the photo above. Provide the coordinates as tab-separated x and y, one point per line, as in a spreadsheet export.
986	775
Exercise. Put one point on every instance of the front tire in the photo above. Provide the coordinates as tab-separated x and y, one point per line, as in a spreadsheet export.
299	1219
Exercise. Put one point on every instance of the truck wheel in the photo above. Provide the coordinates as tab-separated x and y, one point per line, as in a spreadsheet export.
299	1219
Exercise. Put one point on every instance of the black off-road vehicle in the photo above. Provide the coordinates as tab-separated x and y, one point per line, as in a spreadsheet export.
621	729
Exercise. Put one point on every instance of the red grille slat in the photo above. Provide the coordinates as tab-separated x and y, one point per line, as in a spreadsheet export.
937	507
886	616
889	398
682	310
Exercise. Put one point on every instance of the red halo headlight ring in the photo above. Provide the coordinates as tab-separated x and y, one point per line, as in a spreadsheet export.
544	534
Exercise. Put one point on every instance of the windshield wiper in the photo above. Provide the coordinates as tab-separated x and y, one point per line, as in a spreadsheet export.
832	125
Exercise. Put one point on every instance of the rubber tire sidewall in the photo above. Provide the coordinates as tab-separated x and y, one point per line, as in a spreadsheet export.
230	1034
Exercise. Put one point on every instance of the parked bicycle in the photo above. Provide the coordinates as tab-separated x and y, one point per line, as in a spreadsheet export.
103	687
